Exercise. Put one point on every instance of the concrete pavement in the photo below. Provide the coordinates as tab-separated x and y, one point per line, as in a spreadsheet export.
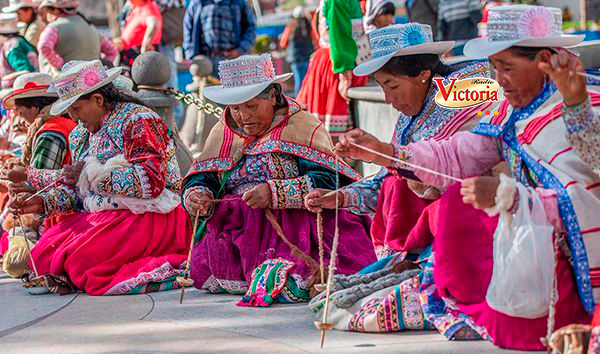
205	323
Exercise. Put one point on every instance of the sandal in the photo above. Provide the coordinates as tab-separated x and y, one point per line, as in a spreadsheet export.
59	285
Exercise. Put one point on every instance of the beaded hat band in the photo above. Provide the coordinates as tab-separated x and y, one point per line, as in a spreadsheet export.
243	79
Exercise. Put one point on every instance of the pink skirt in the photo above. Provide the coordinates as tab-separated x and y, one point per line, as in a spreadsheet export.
403	221
463	248
116	252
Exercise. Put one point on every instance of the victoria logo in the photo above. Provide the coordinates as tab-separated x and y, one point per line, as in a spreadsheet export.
466	92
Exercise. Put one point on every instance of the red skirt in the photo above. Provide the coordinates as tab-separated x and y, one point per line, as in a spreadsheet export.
116	252
319	92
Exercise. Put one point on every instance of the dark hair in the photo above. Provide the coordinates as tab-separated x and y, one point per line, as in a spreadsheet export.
387	9
529	53
300	28
412	65
37	102
280	100
112	96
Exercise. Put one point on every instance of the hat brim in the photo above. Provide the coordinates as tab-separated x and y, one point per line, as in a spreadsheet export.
9	101
371	66
240	94
9	31
14	8
61	105
482	47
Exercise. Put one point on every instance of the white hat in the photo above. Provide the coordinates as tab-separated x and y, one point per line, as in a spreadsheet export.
8	23
15	5
243	79
298	11
399	40
521	25
29	85
79	79
8	82
60	4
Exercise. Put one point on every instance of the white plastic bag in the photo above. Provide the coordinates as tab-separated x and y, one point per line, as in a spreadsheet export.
523	272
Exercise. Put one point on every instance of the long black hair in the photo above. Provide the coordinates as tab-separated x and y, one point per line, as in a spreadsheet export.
37	102
412	65
112	96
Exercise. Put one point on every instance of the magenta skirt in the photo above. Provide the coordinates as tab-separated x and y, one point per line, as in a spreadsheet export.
239	239
116	252
463	248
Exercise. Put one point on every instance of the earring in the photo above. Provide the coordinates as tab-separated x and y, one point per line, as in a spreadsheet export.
423	81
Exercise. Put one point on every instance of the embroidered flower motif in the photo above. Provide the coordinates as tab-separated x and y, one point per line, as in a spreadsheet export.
90	77
266	67
537	22
413	35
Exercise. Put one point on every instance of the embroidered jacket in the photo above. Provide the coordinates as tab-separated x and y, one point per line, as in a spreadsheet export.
433	122
294	156
131	130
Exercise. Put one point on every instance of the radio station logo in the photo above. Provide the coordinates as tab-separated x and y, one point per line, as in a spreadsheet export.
466	92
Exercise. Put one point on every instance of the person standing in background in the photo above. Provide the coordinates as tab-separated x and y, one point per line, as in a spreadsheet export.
458	19
219	29
69	36
297	39
325	89
26	11
423	11
142	31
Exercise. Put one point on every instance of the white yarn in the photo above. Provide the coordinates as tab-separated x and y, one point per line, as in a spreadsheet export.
94	172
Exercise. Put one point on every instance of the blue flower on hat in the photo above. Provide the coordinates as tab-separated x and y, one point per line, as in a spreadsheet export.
413	35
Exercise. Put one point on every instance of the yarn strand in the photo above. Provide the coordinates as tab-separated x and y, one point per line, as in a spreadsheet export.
415	166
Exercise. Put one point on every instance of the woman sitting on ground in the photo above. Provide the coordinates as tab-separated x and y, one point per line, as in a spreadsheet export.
128	234
269	152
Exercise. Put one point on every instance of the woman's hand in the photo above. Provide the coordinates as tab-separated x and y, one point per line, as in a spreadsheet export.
22	206
18	188
258	197
198	203
480	191
17	174
320	199
345	148
70	174
344	84
562	70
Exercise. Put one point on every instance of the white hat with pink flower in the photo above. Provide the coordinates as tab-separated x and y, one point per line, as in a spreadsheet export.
521	25
243	79
79	78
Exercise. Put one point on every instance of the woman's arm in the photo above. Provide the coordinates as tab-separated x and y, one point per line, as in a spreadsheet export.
151	31
48	40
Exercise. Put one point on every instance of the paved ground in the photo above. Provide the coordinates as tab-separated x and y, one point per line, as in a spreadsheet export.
205	323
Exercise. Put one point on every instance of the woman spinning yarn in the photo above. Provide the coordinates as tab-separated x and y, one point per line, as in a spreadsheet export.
269	151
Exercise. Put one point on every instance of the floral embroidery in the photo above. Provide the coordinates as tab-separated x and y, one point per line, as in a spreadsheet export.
289	193
42	178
